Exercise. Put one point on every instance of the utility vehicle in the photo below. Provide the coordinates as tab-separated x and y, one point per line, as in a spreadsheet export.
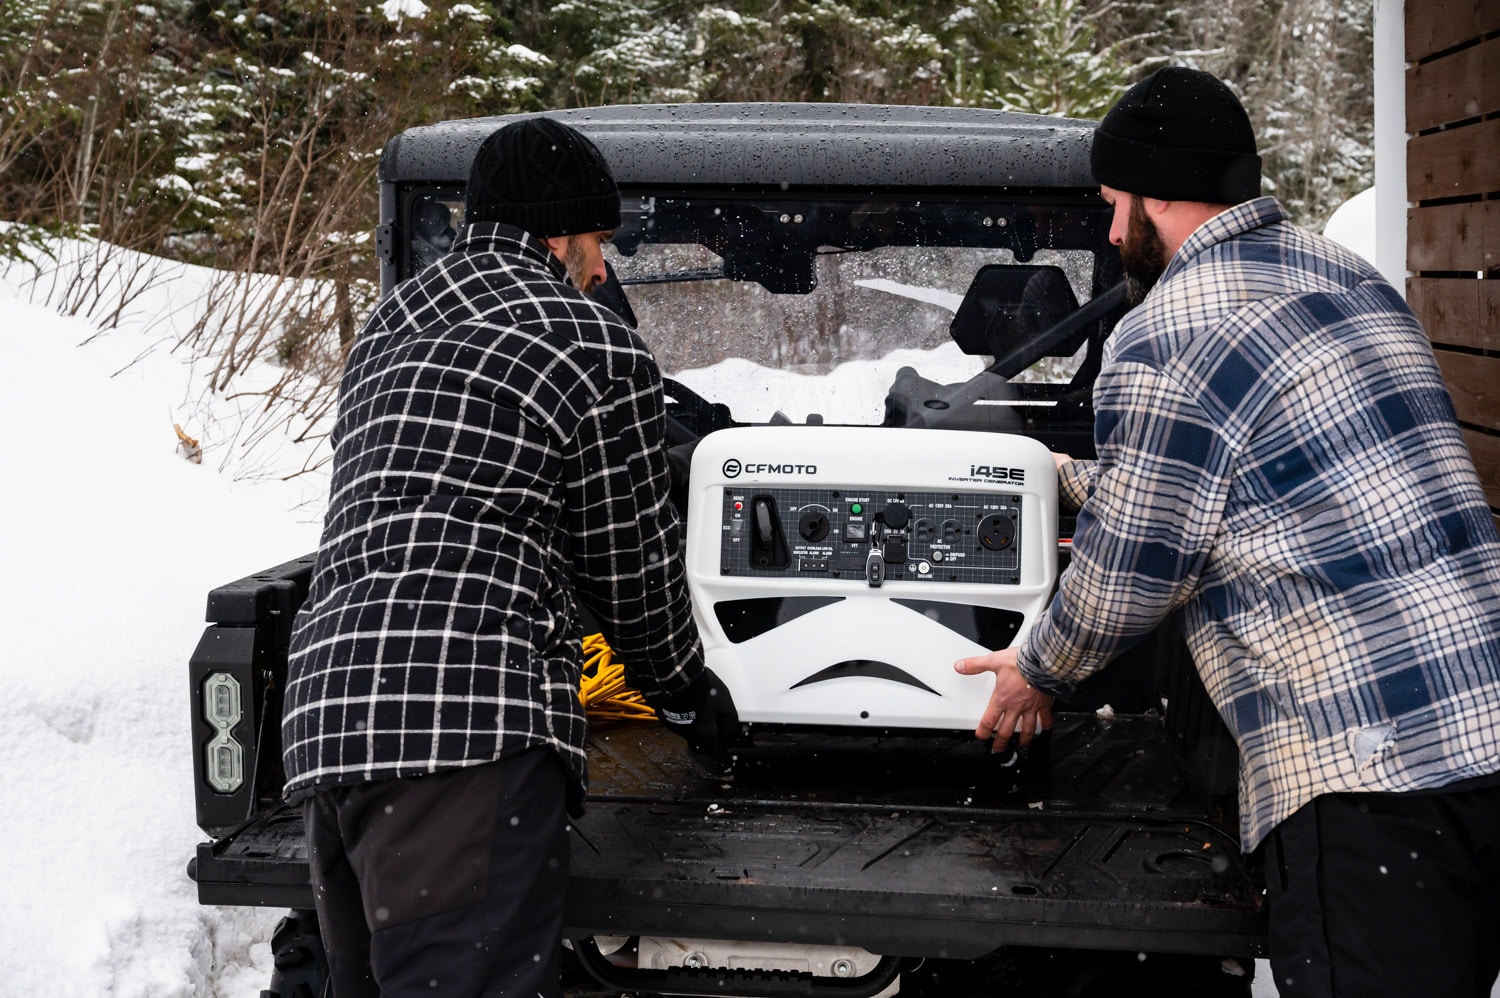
906	269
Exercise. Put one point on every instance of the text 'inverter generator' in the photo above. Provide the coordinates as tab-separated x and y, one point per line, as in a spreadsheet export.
838	572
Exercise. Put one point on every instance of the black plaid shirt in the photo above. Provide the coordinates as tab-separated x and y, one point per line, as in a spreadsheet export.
497	459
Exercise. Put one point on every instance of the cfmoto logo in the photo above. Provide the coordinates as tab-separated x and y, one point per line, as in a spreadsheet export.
732	468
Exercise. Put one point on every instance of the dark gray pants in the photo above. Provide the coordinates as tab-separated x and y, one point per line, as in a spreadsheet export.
1376	894
451	884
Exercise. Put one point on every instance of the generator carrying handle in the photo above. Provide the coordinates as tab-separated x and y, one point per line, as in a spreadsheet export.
745	983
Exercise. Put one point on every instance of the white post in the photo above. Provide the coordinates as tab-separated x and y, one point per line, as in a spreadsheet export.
1390	141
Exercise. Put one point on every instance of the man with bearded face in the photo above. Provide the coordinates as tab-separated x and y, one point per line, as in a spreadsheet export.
497	461
1142	252
1279	466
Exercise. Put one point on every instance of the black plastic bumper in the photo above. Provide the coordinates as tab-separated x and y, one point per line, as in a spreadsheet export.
906	847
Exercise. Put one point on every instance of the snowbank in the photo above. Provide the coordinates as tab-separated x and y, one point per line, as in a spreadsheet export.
112	540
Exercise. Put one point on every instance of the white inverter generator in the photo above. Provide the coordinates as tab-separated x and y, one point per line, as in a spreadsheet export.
837	572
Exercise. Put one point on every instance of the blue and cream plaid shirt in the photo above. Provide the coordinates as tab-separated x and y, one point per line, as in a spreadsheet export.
1279	462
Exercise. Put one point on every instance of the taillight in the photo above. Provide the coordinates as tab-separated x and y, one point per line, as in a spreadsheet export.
224	765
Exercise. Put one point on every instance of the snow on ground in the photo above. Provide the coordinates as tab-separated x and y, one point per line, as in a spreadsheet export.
111	542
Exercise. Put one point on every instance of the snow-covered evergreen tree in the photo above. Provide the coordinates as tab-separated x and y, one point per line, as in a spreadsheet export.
1063	69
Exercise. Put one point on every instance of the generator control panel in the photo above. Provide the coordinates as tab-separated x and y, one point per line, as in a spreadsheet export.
868	534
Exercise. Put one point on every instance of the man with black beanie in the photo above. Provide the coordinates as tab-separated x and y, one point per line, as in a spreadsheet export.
498	462
1280	467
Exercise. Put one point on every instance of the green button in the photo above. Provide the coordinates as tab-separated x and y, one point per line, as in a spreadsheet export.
856	509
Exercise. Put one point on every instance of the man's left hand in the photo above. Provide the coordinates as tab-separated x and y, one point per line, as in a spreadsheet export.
1016	707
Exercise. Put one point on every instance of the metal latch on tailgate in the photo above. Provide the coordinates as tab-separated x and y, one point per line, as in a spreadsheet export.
683	980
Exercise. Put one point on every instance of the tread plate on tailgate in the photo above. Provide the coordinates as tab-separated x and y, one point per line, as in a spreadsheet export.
916	847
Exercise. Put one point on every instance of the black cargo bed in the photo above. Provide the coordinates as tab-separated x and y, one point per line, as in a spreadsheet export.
905	846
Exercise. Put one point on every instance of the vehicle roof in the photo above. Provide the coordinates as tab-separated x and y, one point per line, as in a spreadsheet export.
787	145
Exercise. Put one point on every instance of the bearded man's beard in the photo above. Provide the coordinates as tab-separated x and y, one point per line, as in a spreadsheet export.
577	265
1143	253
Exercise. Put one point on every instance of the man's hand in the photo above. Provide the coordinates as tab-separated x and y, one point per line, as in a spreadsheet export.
703	715
1058	459
1015	707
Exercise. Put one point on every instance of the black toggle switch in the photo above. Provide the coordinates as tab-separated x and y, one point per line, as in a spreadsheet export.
767	545
762	510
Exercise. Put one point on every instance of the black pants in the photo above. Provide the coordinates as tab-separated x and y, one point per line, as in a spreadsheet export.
451	884
1376	894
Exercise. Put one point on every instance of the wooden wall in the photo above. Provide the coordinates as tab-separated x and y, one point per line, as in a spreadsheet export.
1453	224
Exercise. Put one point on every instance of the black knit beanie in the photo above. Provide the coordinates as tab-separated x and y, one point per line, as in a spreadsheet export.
1178	135
542	176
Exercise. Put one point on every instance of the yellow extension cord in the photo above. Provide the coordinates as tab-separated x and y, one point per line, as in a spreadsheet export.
603	691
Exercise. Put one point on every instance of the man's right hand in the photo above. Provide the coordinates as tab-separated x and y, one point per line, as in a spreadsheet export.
703	715
1015	707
